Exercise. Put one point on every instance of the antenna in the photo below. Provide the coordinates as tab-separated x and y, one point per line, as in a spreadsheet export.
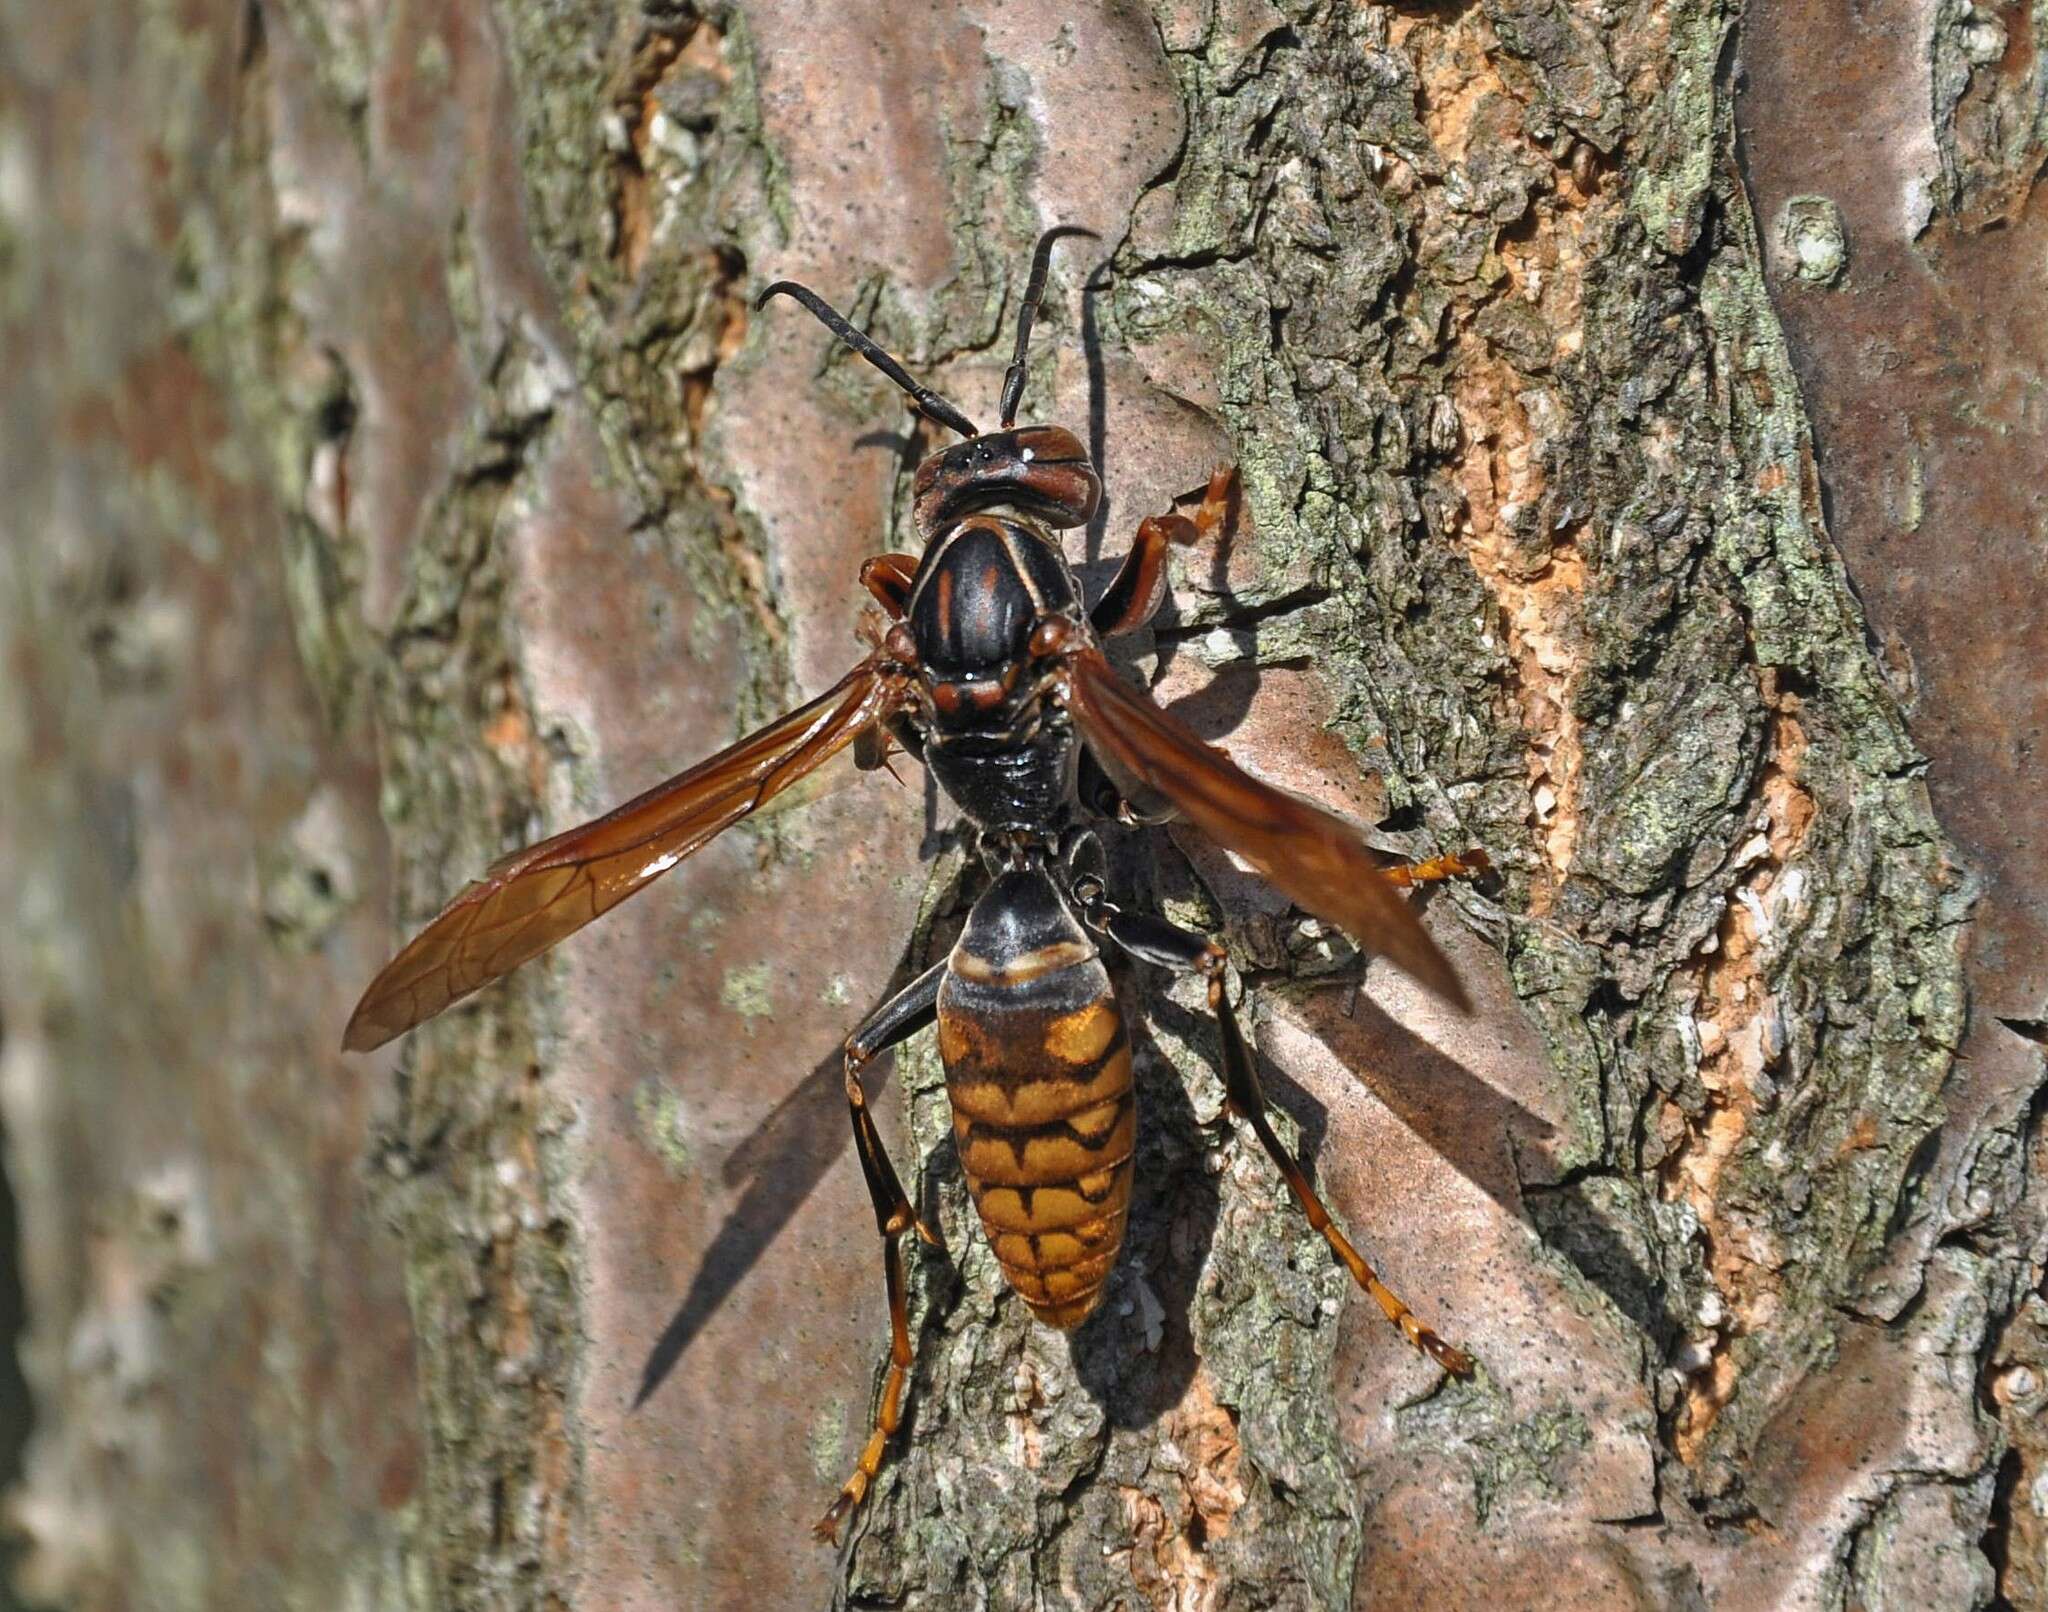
1027	316
928	402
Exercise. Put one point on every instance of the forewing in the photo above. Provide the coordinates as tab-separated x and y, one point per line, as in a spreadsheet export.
1314	857
535	897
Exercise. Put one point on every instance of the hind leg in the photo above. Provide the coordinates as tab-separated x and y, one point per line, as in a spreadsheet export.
909	1011
1465	864
1154	940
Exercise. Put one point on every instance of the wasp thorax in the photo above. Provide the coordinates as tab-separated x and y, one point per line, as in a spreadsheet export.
984	592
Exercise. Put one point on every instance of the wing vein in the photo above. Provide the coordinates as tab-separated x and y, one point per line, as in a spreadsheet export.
528	901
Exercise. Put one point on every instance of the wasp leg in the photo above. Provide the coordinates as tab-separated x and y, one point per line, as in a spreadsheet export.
1101	796
888	578
1154	940
1463	865
1139	588
871	745
897	1019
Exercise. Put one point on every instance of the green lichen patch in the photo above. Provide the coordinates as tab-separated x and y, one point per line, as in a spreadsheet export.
662	1123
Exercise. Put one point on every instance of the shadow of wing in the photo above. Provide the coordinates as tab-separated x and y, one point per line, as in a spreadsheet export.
777	1166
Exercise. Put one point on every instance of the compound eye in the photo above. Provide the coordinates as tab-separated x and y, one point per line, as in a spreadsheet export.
900	645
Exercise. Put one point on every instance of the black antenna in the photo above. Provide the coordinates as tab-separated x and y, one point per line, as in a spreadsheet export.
1027	315
928	402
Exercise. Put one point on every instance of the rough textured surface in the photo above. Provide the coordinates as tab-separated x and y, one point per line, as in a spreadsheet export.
388	438
193	876
1935	472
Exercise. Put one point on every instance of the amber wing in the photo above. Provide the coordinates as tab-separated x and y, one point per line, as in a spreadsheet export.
1314	857
535	897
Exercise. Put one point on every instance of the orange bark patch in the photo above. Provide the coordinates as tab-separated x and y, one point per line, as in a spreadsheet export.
511	737
728	310
1168	1550
632	215
1507	416
637	107
1740	1036
1499	477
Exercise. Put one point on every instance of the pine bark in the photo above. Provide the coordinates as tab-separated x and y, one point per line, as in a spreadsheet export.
1635	409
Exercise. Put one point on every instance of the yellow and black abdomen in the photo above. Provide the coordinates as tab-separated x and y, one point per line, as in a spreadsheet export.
1038	1069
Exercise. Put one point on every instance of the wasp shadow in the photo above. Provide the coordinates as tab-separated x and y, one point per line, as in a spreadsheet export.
1603	1227
1466	1120
1136	1355
776	1168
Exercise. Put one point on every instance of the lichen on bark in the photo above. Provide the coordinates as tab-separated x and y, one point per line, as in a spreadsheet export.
1523	457
1374	213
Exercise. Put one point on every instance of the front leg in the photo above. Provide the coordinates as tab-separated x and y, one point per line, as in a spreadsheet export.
1154	940
1139	589
888	578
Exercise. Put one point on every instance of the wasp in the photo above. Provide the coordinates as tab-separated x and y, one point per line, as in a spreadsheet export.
987	667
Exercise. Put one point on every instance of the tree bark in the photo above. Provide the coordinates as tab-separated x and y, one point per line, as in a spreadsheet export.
1635	412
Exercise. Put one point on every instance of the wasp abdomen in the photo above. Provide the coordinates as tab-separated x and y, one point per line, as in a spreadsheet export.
1038	1069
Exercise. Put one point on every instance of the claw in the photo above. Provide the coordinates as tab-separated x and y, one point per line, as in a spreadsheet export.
1455	1361
826	1529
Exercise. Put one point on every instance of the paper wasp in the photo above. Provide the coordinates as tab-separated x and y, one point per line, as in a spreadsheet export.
989	670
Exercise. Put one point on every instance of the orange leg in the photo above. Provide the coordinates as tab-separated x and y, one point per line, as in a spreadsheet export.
1139	589
1247	1099
888	577
910	1010
1154	940
1462	865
